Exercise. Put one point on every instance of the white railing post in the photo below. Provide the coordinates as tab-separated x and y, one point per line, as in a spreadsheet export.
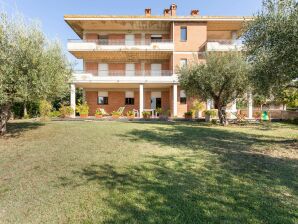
73	99
141	93
175	96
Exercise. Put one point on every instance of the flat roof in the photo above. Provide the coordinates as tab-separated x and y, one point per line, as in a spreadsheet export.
158	18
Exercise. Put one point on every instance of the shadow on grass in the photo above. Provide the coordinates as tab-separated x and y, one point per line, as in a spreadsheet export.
15	129
216	179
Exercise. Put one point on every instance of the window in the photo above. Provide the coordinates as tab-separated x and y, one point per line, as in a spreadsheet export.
183	62
182	97
129	98
103	39
156	38
183	34
103	98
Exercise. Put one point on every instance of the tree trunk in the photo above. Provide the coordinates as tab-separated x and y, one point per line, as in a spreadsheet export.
4	117
221	113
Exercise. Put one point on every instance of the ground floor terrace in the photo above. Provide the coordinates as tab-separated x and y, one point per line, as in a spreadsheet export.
139	97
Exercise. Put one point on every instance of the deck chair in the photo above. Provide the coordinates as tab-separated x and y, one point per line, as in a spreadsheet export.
104	113
121	110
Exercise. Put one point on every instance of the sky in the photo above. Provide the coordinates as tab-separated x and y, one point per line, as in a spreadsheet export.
50	12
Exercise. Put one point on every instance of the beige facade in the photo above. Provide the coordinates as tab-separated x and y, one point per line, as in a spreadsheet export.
141	54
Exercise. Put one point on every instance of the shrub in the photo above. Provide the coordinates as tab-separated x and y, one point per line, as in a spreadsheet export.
188	113
45	108
83	109
130	113
159	111
55	113
65	111
211	113
116	113
214	121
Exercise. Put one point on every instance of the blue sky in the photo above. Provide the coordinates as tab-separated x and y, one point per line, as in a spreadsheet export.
50	12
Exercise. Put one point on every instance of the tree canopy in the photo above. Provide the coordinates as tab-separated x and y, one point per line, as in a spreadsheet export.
223	78
271	41
31	67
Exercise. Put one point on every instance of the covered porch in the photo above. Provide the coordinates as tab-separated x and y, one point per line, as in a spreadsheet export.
134	96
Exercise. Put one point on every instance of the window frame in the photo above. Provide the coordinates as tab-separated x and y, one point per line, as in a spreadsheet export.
182	99
181	37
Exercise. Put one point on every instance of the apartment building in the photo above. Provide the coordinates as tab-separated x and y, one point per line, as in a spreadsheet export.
132	61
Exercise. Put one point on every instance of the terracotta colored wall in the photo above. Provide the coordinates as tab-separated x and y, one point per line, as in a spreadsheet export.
191	58
114	67
91	67
196	36
116	100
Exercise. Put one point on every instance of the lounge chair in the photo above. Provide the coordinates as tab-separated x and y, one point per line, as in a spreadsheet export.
104	113
121	110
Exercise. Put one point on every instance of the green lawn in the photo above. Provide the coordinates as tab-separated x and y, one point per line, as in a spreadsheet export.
116	172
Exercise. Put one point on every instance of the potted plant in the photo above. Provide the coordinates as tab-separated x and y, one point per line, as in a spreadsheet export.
83	110
209	114
158	111
197	108
188	115
65	111
130	115
115	115
164	115
146	115
98	113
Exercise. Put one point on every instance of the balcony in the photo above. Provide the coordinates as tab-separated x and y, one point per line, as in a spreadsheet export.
225	45
120	45
122	76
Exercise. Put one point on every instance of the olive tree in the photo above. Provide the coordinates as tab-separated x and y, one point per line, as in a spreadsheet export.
31	67
223	78
271	41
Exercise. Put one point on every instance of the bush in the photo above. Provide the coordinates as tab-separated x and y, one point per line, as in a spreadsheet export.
45	108
98	112
83	109
65	111
55	113
211	113
188	113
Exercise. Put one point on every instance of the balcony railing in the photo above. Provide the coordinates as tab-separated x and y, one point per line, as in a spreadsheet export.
107	73
225	45
122	41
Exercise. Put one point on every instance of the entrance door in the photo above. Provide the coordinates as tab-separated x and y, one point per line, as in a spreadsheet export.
155	69
155	100
130	39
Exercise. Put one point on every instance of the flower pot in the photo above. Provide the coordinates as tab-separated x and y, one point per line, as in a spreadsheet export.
115	116
130	117
188	117
83	115
146	117
98	115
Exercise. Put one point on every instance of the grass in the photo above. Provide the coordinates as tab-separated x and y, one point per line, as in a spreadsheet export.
116	172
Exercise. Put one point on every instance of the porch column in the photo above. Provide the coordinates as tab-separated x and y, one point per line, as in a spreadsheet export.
250	106
73	99
175	108
141	93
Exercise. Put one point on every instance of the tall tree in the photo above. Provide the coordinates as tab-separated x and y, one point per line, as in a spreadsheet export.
31	67
223	78
271	40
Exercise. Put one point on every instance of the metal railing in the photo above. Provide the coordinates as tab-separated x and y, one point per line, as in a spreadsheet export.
105	73
122	41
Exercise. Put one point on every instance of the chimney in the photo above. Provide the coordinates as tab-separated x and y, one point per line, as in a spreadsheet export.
173	9
166	12
195	12
148	12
